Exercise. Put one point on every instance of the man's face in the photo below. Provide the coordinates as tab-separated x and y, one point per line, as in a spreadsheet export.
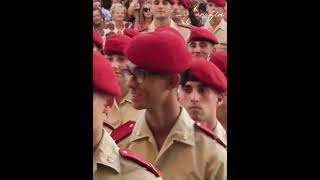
161	9
175	14
147	90
199	100
215	10
119	64
97	4
183	11
96	17
200	49
100	104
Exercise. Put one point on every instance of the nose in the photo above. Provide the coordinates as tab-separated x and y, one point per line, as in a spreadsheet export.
195	96
131	82
115	64
161	5
196	49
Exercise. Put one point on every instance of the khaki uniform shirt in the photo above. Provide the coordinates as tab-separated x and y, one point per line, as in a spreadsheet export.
108	164
220	32
123	112
185	32
220	132
187	153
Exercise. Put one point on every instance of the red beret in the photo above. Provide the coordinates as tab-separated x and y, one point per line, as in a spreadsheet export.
116	43
168	28
97	40
104	78
220	3
172	1
219	58
202	34
210	74
130	32
159	51
186	4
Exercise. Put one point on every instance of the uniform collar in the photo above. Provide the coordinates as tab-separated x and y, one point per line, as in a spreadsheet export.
220	132
107	153
222	25
152	26
182	131
127	98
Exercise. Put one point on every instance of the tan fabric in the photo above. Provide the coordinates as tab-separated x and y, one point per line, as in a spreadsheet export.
108	164
185	32
187	153
120	114
220	32
220	132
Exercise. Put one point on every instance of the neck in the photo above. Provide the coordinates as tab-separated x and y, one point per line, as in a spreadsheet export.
214	22
148	20
177	20
119	24
162	118
97	136
158	22
97	25
124	92
213	123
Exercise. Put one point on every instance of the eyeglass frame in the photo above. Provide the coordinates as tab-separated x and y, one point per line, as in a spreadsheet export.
139	74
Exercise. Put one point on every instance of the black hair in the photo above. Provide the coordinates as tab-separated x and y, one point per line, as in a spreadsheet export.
193	18
185	76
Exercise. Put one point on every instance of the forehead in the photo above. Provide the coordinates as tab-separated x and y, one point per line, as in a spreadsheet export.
116	56
198	42
160	1
96	12
194	84
96	3
119	9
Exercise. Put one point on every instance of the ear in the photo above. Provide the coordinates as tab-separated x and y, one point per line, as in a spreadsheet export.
214	49
178	92
174	81
220	99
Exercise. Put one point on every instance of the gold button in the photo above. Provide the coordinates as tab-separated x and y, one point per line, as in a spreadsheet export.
185	136
110	159
138	132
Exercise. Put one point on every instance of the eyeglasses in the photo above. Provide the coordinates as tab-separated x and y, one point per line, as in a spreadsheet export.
138	75
146	9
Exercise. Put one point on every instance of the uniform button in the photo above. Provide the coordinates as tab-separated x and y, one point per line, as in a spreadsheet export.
185	136
110	159
131	125
138	132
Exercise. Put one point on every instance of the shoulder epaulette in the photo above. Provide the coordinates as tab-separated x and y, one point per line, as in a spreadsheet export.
123	131
134	157
209	132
